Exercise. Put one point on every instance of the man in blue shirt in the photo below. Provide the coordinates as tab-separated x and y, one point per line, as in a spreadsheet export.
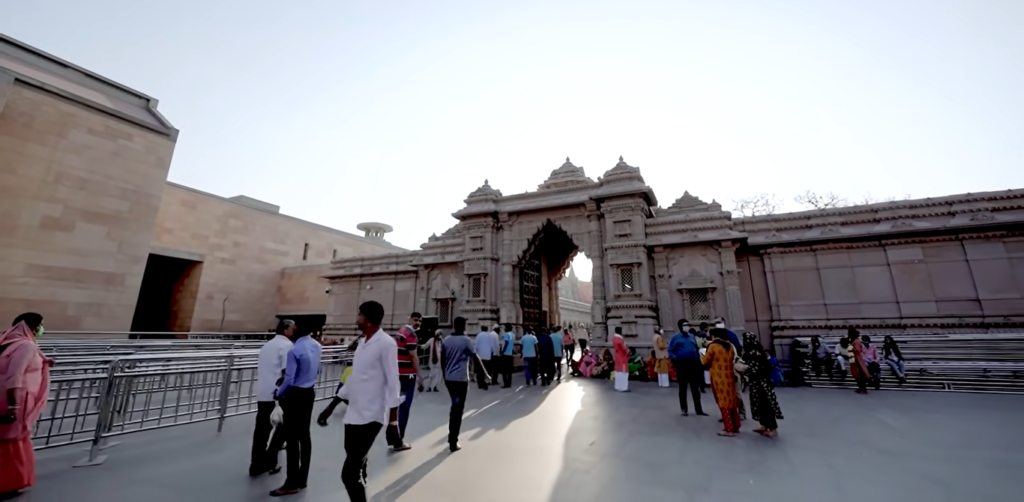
529	343
457	354
556	341
682	349
508	345
296	395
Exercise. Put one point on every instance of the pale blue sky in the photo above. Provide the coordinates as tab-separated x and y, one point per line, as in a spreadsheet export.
343	112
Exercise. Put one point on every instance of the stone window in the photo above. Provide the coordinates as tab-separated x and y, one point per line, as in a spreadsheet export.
334	254
444	311
305	251
476	286
698	305
622	228
476	243
626	282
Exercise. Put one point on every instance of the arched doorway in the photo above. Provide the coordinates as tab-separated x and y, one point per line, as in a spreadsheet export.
542	265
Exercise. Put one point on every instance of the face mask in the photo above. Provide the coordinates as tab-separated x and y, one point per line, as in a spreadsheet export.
39	332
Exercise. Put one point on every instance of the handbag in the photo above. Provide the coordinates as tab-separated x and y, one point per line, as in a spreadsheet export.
277	416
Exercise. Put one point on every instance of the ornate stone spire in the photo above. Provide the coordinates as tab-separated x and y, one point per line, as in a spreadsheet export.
567	175
622	172
689	203
484	192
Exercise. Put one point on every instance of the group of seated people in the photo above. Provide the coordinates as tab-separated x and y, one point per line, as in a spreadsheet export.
840	357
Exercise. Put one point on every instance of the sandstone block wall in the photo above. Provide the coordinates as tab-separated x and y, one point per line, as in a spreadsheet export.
243	251
79	193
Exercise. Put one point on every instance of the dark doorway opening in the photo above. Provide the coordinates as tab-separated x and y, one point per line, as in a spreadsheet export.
546	260
167	297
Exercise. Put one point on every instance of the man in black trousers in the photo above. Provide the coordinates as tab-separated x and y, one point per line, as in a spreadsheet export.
457	354
297	394
373	393
682	349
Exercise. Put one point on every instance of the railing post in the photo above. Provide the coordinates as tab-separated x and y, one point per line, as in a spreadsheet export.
225	391
106	407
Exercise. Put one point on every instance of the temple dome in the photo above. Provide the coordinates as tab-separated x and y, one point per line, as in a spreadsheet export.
568	175
484	192
622	172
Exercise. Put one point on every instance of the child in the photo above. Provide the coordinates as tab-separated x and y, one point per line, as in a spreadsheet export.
776	375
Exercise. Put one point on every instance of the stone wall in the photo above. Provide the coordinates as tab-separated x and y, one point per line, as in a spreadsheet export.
79	190
949	264
243	250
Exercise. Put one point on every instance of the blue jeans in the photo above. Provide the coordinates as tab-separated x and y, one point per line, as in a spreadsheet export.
530	369
408	390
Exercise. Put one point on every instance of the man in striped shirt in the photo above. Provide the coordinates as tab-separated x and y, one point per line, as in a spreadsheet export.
408	377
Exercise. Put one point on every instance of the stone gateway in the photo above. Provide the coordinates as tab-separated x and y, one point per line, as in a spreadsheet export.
950	264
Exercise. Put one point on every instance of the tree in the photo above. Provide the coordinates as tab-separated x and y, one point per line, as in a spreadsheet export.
868	199
757	205
812	200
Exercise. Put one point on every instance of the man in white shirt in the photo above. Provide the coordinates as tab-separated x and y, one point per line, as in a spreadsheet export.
486	345
373	393
269	372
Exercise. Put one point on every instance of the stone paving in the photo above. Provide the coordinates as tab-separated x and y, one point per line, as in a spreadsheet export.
580	441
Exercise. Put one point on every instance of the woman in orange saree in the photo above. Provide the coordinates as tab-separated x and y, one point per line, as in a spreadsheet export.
24	387
721	358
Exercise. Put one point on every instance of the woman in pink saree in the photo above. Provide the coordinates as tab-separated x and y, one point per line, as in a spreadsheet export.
587	363
24	387
621	362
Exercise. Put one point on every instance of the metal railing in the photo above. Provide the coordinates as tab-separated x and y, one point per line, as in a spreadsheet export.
93	399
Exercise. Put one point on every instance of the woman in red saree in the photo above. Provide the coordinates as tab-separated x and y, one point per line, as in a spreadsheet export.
621	362
24	387
858	368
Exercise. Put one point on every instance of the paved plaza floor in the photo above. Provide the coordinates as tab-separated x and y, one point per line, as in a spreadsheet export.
580	441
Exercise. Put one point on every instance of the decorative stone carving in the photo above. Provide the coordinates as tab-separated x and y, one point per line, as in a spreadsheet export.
568	175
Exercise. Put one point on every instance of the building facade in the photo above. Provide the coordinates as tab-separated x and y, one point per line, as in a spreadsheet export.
94	237
950	264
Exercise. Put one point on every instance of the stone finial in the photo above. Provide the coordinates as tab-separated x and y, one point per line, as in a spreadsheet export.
620	158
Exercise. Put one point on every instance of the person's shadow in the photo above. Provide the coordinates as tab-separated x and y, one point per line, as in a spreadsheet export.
401	485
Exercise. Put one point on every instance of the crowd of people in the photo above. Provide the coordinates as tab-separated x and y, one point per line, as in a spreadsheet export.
859	357
380	384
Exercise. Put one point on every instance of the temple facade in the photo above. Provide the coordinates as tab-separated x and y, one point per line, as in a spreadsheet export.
950	264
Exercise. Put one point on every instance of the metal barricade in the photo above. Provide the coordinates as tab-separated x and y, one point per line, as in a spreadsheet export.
142	392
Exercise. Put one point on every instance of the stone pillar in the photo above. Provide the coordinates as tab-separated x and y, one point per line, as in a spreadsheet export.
731	277
422	289
507	309
596	255
663	285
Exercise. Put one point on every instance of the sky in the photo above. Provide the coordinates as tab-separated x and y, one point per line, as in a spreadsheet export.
393	111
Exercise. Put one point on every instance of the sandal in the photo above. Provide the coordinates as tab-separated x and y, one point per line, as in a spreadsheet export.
726	434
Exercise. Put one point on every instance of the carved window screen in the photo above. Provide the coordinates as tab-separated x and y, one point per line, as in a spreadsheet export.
444	311
476	286
698	305
626	283
476	243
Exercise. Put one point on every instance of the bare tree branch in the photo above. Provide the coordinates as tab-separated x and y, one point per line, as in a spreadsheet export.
813	200
757	205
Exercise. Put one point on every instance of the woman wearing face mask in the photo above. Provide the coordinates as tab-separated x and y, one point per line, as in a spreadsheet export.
24	387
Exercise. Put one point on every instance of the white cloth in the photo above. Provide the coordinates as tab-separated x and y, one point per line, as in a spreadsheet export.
434	377
663	380
270	368
486	344
581	334
373	388
621	381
